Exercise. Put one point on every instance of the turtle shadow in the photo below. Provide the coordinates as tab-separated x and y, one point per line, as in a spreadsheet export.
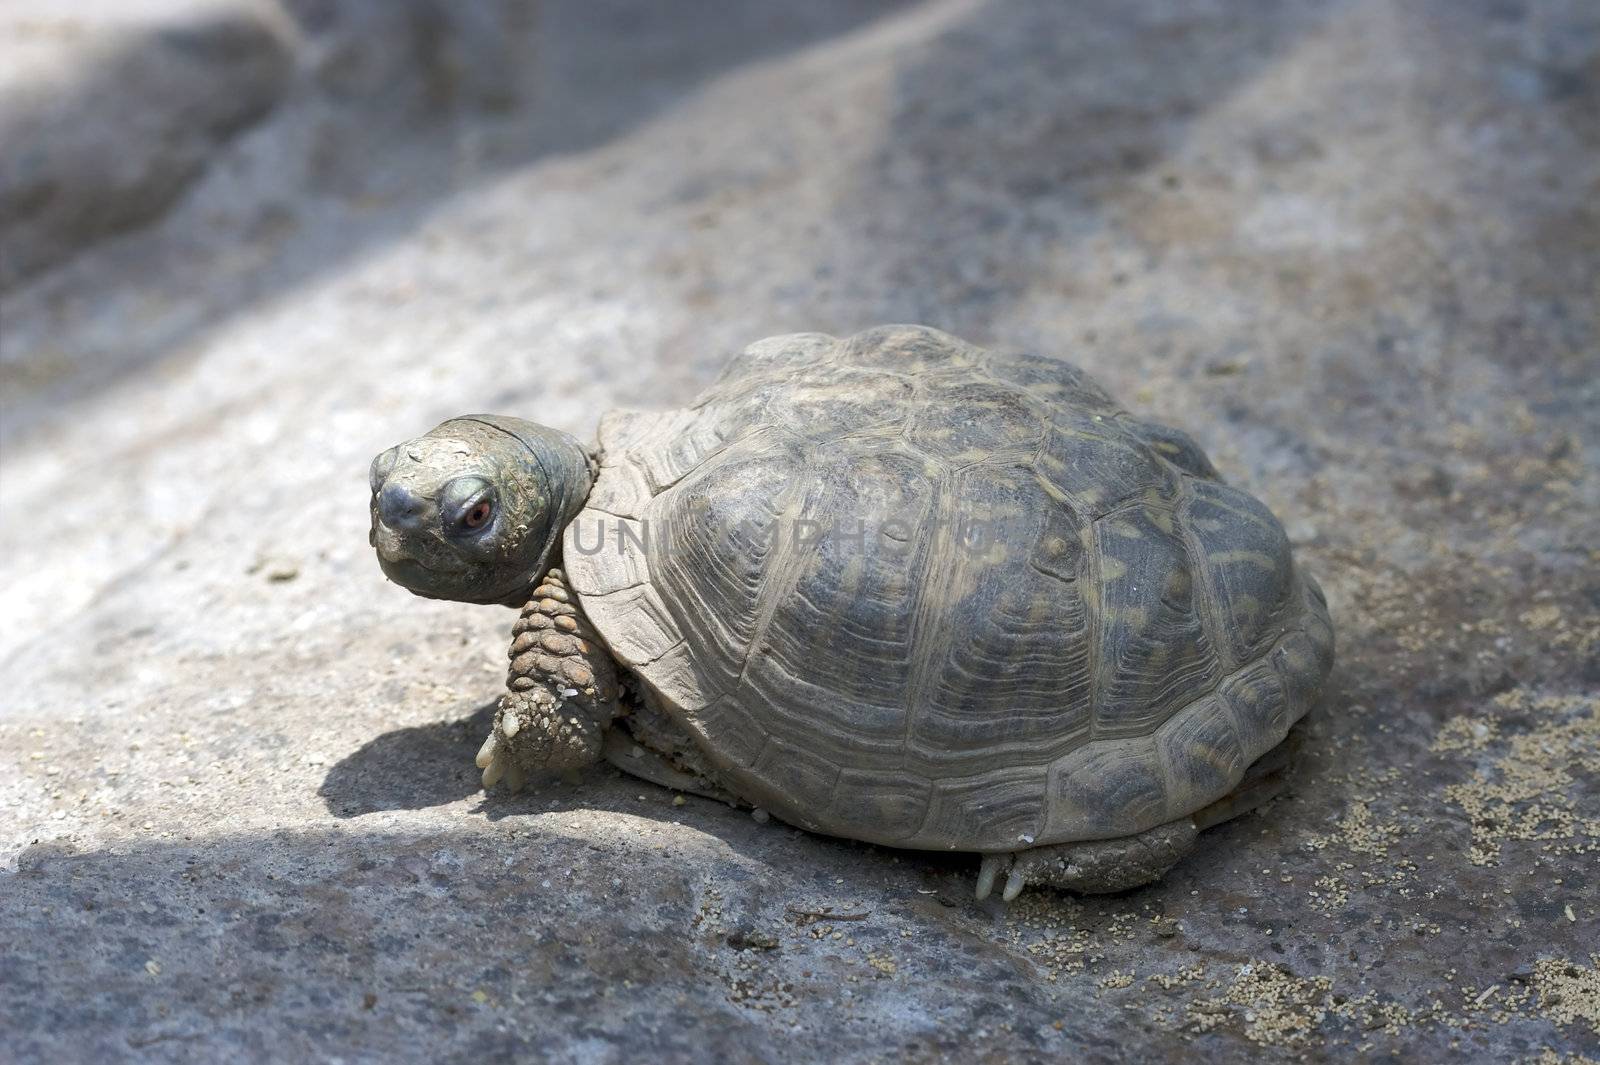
421	766
409	768
432	764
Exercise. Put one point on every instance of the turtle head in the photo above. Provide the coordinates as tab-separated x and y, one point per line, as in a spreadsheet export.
473	511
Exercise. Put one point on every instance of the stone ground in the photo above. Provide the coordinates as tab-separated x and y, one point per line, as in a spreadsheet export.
1353	247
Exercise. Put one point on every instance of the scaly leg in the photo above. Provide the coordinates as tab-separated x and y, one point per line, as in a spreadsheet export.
562	692
1092	867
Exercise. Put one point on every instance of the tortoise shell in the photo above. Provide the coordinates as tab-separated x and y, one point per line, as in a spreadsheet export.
902	589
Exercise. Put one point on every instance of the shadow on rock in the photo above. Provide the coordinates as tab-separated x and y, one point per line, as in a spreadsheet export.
422	766
410	768
469	942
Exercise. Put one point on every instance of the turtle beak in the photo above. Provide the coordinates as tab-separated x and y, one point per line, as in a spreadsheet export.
387	544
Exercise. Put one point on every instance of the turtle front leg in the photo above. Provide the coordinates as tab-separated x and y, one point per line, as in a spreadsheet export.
562	692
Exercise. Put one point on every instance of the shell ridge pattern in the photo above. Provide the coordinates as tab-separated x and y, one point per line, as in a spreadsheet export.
930	646
783	576
1147	747
1022	648
686	500
1158	645
1207	606
1094	605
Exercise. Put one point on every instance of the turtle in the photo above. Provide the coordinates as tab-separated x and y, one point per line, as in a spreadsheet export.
891	587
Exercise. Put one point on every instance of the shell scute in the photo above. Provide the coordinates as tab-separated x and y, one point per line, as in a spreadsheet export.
989	639
1155	653
1051	378
1173	445
866	802
1243	554
1004	805
970	422
1106	789
1096	467
1202	754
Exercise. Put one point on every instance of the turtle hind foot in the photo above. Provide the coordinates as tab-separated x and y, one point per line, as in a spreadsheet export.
1090	867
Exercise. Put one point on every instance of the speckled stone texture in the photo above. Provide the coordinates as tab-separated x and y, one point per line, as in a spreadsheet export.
1352	247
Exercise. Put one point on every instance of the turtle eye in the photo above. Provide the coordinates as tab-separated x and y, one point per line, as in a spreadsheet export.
466	505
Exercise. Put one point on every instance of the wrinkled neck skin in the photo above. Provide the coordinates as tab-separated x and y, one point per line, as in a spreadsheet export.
546	475
542	477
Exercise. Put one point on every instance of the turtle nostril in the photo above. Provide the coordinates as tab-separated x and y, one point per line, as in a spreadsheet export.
399	507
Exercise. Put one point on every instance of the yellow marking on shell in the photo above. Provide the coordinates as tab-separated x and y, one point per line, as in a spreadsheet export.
998	552
1041	607
1254	517
850	576
1254	558
1080	434
1051	490
1112	569
1211	756
1123	529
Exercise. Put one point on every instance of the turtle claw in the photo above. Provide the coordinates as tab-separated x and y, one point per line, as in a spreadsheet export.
494	770
989	871
991	866
515	778
494	758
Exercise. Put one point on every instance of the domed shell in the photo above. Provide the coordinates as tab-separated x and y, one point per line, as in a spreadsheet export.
905	590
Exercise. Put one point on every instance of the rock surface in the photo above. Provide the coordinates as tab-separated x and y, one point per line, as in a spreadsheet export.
1352	247
111	111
